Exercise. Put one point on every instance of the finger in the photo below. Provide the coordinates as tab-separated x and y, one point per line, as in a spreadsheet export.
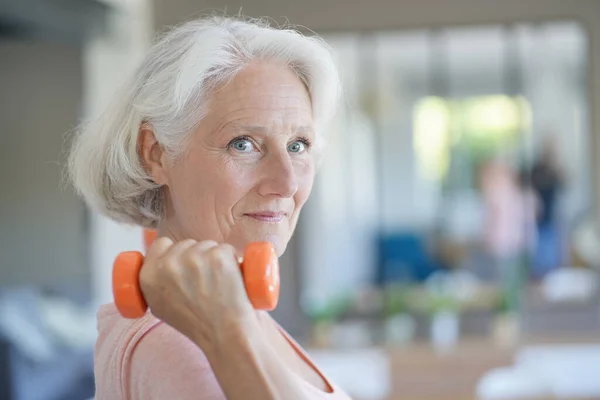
172	258
159	247
205	245
180	247
195	253
224	265
223	256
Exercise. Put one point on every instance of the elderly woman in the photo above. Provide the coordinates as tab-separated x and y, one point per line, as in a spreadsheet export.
215	143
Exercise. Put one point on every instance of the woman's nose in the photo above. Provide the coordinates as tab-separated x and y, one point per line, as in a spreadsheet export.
279	177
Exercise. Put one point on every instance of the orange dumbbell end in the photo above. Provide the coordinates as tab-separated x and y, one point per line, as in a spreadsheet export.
126	284
260	269
149	236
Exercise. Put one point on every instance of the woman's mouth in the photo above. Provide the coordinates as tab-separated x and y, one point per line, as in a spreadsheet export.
267	216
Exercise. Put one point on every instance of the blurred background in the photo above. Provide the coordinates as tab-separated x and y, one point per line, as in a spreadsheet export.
450	249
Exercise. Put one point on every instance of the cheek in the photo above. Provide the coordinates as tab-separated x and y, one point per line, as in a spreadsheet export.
213	181
192	183
187	192
229	184
306	177
233	179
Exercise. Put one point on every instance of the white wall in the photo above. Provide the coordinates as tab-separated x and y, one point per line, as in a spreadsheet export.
340	221
42	222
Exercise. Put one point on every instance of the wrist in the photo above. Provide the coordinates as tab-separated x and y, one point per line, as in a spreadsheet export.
233	334
239	358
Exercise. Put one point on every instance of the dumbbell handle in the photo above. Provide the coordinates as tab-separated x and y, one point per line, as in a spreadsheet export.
260	270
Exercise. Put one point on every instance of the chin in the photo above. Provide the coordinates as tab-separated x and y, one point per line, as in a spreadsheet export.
278	242
280	248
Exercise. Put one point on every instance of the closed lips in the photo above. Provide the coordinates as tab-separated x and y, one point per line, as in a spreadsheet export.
267	216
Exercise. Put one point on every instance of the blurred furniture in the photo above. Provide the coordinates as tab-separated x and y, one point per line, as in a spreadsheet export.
565	371
404	257
419	372
36	362
68	376
542	316
414	372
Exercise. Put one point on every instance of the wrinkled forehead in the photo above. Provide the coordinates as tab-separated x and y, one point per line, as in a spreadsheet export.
262	100
262	85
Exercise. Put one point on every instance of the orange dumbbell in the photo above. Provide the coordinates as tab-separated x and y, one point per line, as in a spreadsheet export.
260	269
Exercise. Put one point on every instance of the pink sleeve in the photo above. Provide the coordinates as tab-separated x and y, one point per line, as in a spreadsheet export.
167	365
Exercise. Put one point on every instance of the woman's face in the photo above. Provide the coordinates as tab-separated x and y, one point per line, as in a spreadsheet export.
250	164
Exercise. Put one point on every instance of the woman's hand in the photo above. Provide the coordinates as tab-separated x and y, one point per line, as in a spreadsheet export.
197	288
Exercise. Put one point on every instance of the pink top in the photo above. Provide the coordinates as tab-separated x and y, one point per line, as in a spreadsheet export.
511	212
147	359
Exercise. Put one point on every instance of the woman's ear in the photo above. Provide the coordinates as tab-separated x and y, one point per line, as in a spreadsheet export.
152	155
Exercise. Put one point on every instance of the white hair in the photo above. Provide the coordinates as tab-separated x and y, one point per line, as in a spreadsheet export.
169	92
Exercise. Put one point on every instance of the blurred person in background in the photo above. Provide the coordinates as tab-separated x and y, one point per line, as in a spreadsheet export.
508	233
547	180
214	143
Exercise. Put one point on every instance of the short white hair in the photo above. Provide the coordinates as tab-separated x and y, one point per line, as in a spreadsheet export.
169	92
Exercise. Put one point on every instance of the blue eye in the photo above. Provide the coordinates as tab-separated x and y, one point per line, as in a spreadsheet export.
242	144
297	147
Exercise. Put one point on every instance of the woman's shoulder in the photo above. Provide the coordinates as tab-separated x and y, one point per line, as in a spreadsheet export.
118	337
116	332
146	358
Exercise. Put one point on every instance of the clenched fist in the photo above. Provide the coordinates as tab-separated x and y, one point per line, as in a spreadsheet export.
196	287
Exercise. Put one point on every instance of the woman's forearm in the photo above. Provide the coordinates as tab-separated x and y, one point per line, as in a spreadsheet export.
248	368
